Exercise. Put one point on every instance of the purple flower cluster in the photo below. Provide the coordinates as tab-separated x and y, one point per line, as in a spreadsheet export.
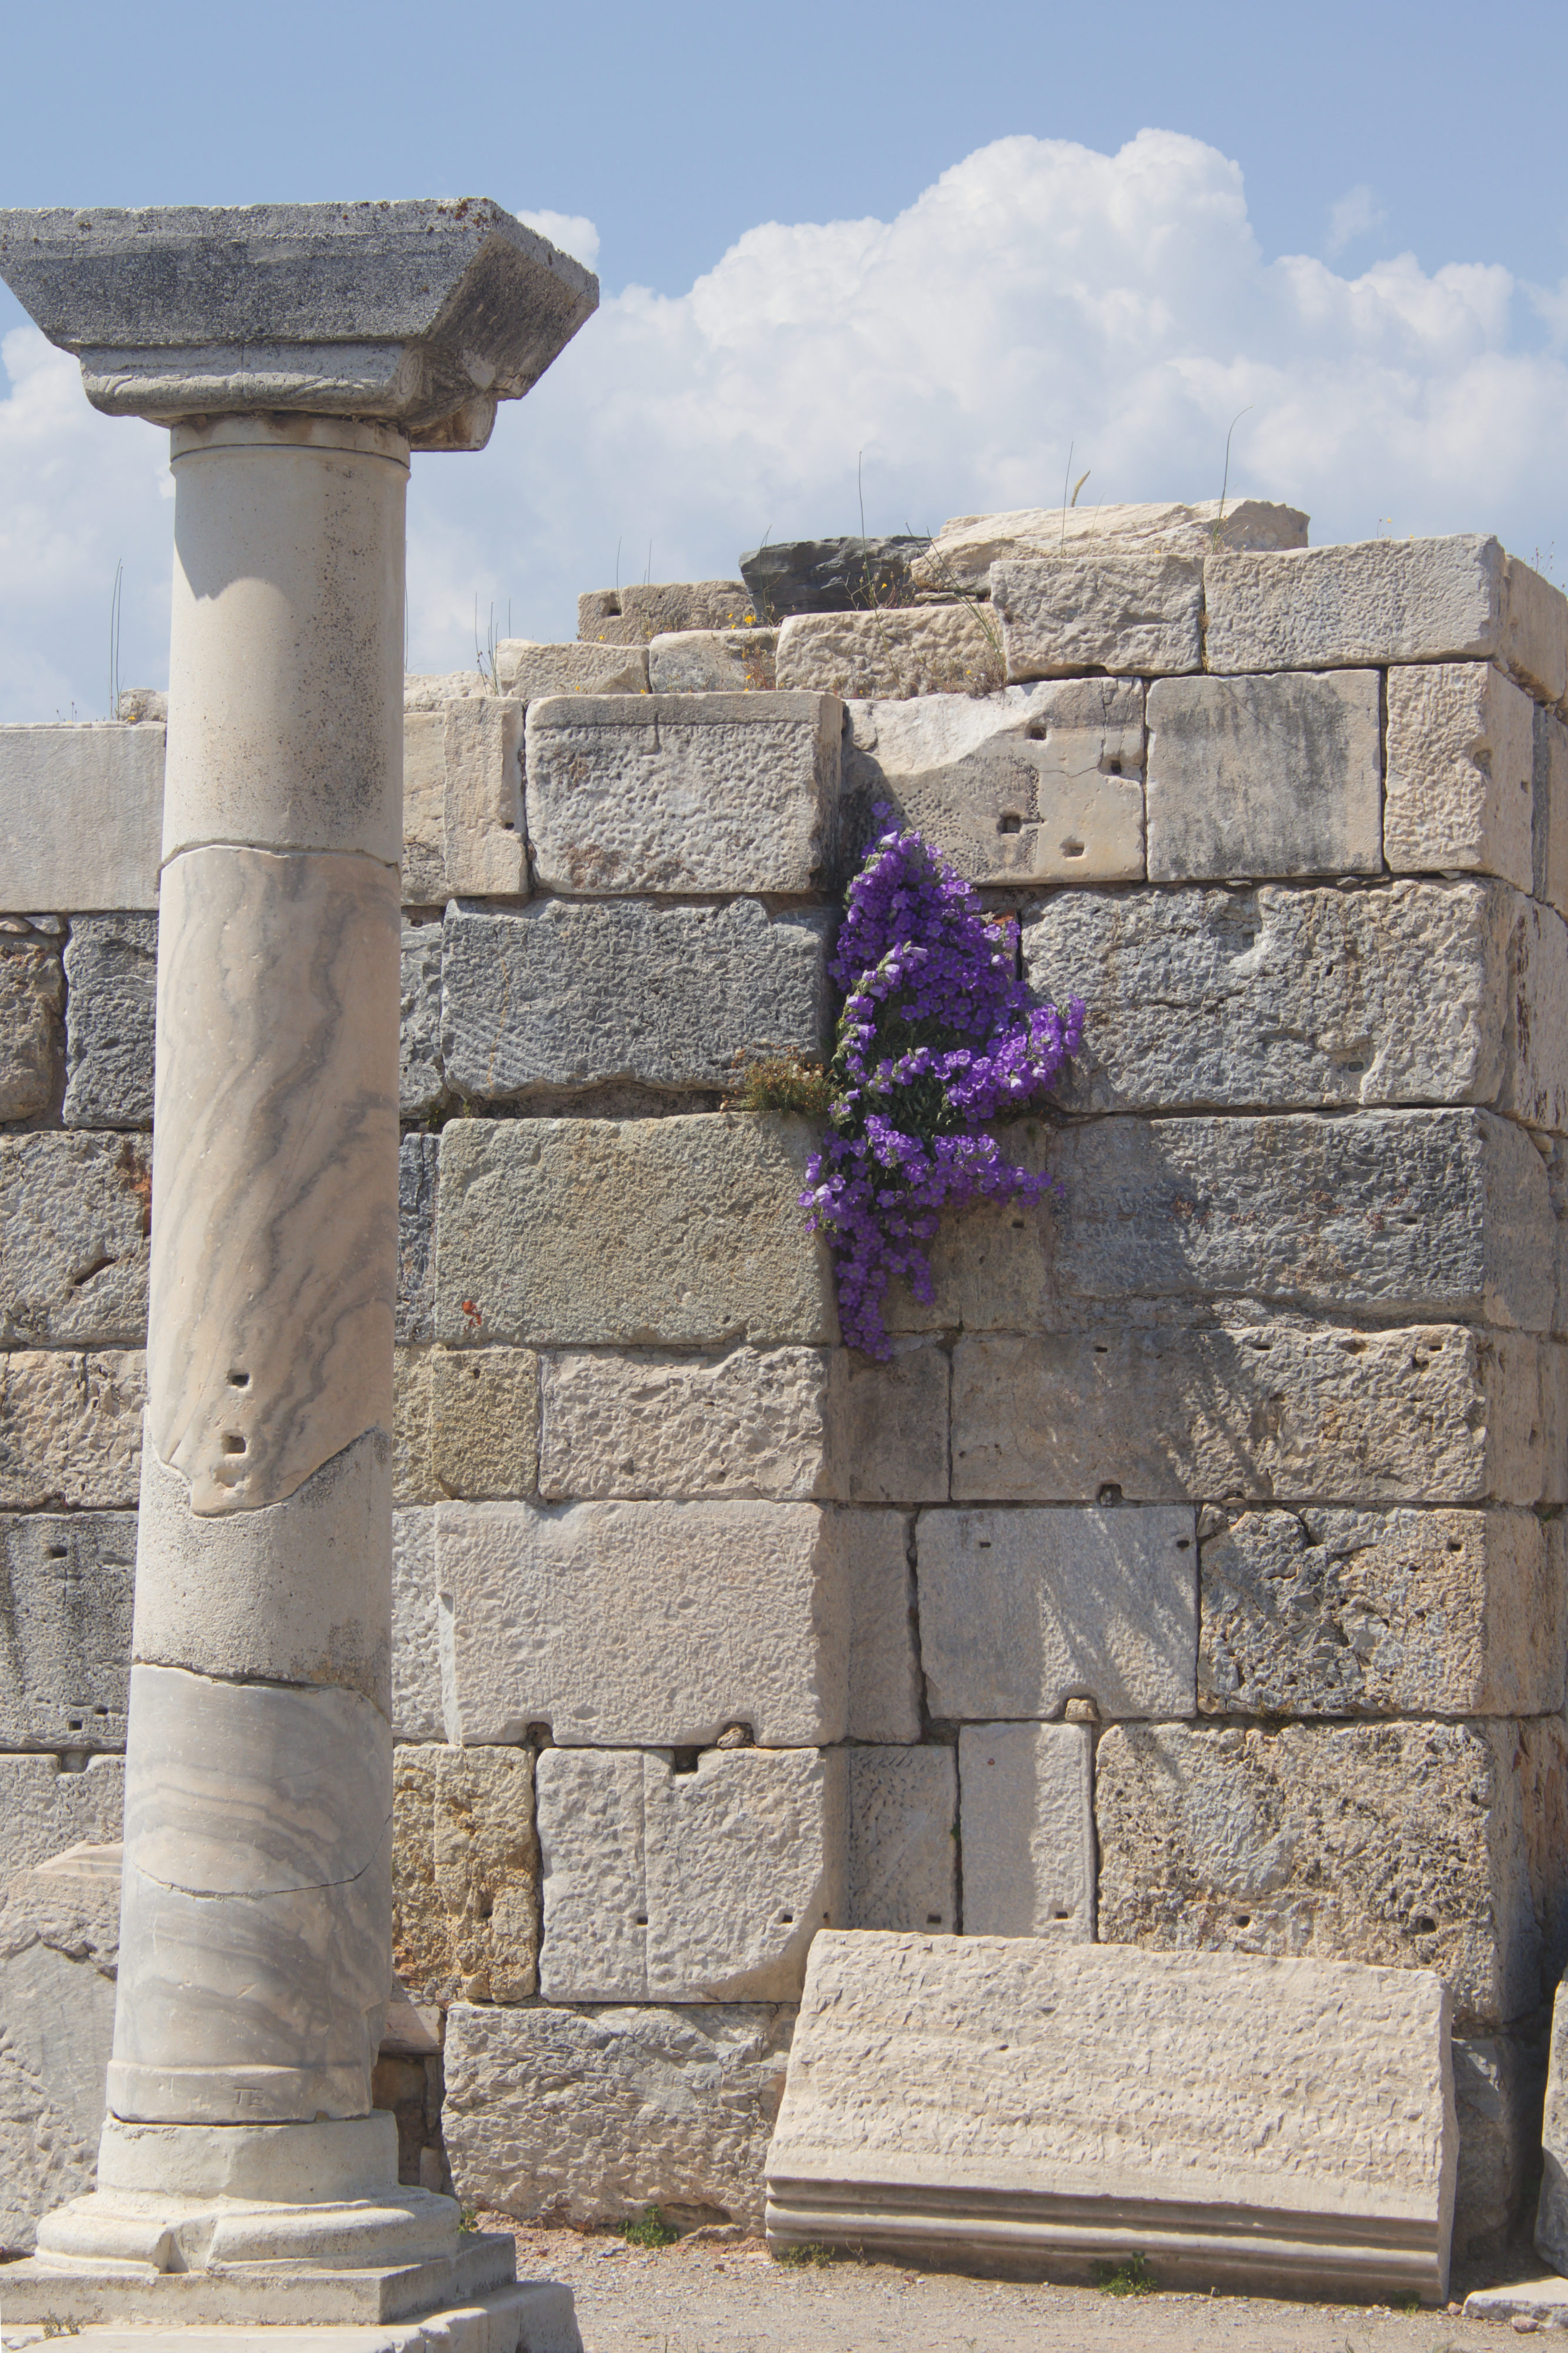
938	1037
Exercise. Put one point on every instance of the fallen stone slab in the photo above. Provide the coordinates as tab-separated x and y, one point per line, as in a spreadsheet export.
1543	2303
946	650
112	974
32	1034
1258	776
830	576
987	2098
713	661
1026	1821
465	1873
66	1583
1127	614
74	1215
903	1828
81	814
1461	755
961	555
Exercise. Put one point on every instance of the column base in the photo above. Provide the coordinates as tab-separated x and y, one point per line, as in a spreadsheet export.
530	2316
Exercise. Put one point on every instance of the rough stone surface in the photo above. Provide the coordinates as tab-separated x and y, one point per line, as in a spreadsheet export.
714	661
884	1672
629	1233
1498	2081
531	671
961	554
421	1081
1062	614
751	1422
416	1627
829	576
74	1213
80	816
593	2116
413	1466
635	615
32	993
1026	1817
1351	1612
925	649
617	1624
563	996
483	846
111	972
45	1809
484	1422
903	1823
1461	751
889	1435
66	1587
1306	996
465	1873
70	1430
1552	2218
58	2012
424	872
1266	1410
1265	776
1022	1610
417	1165
1550	860
1403	1845
1032	784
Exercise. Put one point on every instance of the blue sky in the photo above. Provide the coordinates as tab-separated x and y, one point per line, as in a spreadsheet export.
933	236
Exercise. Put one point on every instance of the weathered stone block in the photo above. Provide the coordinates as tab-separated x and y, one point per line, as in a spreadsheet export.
629	1232
82	814
1265	776
530	672
483	846
1127	614
682	793
413	1463
888	1424
1424	992
751	1422
1551	2218
903	1856
421	1080
416	1627
1346	1612
1035	783
925	649
1430	1414
32	993
676	2105
111	968
59	2008
1550	856
830	576
563	996
713	661
417	1164
1021	1611
1026	1818
1386	600
484	1422
465	1873
1403	1845
617	1624
651	609
961	554
1498	2081
70	1430
44	1809
1461	750
1072	2098
66	1587
74	1215
884	1672
700	1886
424	878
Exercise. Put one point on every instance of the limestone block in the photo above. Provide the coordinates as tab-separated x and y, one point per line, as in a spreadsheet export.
1265	776
624	1623
65	1628
993	1263
1026	1820
903	1831
417	1164
1038	784
924	649
830	576
413	1456
1346	1612
700	1886
888	1424
663	606
60	2018
676	2104
682	793
1402	1845
416	1627
1062	614
1022	1610
563	996
751	1422
713	662
32	992
70	1430
884	1672
530	672
1549	859
1430	1414
483	845
46	1808
1386	600
421	1081
961	554
112	969
74	1214
1461	751
424	877
432	691
622	1233
1424	992
1498	2081
80	816
465	1873
1070	2099
484	1422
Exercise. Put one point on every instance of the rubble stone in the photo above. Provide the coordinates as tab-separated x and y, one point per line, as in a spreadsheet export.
903	1828
1265	776
1125	614
1026	1818
66	1586
465	1873
112	969
74	1214
927	649
1461	750
31	994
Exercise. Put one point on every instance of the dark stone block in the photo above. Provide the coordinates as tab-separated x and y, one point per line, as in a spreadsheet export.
830	576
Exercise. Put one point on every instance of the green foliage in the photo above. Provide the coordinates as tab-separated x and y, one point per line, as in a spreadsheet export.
649	2230
784	1081
810	2255
468	2219
1131	2277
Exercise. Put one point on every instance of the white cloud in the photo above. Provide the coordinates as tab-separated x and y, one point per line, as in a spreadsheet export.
1038	294
1356	212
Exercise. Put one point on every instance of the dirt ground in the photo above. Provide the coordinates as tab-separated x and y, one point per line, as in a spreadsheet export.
701	2297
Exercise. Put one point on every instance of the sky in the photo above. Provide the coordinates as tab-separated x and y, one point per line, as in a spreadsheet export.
919	259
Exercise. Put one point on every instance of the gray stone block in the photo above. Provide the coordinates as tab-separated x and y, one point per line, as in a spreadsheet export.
1549	863
884	1701
528	671
66	1586
713	661
417	1713
74	1217
421	1080
81	814
929	650
750	1423
1460	772
70	1430
1265	776
682	794
32	1034
829	576
1271	1412
1027	1820
903	1852
1021	1611
1296	997
1126	614
59	2008
562	996
417	1164
1498	2081
888	1425
1345	1612
629	1233
1551	2218
112	970
961	554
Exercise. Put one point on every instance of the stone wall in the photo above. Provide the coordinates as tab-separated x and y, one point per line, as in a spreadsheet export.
1191	1575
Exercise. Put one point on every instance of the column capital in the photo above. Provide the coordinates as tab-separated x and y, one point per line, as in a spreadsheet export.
419	315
